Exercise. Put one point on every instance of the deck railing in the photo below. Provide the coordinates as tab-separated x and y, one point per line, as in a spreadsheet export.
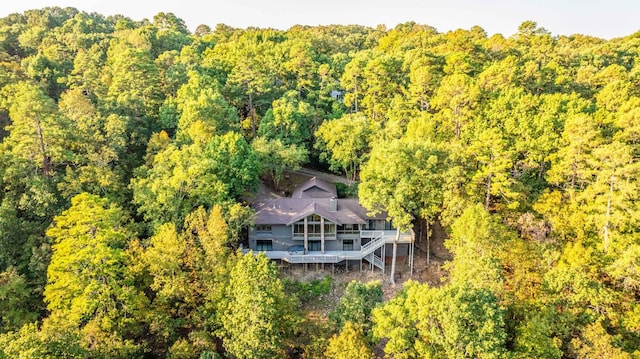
367	250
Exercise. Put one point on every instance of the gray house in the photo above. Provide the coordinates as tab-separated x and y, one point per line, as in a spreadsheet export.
315	226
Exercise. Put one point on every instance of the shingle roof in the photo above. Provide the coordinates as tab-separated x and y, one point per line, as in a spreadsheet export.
311	197
290	210
315	188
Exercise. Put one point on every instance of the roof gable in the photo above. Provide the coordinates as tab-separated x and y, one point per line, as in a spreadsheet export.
290	210
315	188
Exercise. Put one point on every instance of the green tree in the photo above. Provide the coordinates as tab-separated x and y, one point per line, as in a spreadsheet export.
455	99
595	342
535	337
253	68
402	177
257	316
14	294
289	120
345	143
356	304
189	272
447	322
384	79
89	283
570	165
613	193
98	145
200	100
38	134
395	321
494	161
199	174
352	80
46	342
275	158
477	241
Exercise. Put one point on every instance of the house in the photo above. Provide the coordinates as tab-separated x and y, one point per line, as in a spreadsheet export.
315	226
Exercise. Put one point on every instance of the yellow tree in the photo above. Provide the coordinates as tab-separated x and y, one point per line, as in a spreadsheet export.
349	344
89	282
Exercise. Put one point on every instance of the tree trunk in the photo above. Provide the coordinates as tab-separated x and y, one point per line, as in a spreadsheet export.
252	113
428	244
574	169
356	93
392	280
605	228
46	164
487	199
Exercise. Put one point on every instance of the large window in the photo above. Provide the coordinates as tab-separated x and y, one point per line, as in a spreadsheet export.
264	245
314	245
314	228
388	225
298	230
349	229
263	229
347	245
329	229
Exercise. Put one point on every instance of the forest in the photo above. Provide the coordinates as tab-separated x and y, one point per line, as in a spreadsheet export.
126	148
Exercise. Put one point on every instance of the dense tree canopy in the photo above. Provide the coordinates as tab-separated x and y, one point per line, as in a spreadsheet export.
127	149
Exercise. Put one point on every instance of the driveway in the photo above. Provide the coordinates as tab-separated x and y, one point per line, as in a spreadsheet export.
322	175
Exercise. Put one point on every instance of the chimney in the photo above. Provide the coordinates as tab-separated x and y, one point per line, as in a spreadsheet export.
333	204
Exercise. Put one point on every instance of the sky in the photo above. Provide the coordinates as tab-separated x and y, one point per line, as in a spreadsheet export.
606	19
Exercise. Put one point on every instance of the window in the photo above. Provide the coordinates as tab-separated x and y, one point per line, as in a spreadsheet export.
349	228
264	245
329	229
314	230
347	245
263	228
388	225
314	245
372	224
298	230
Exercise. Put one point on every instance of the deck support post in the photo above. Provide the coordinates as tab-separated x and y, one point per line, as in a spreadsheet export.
322	234
306	236
412	250
384	255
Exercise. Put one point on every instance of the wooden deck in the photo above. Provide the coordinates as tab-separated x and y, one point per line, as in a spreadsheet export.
367	251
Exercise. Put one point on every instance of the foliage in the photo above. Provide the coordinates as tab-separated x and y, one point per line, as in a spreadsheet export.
89	283
525	148
309	291
200	174
350	343
447	322
344	143
347	191
356	304
257	315
275	158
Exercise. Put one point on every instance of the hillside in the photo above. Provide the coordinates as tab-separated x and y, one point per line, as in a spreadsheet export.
129	151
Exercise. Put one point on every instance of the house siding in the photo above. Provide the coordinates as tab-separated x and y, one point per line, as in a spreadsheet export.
281	237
